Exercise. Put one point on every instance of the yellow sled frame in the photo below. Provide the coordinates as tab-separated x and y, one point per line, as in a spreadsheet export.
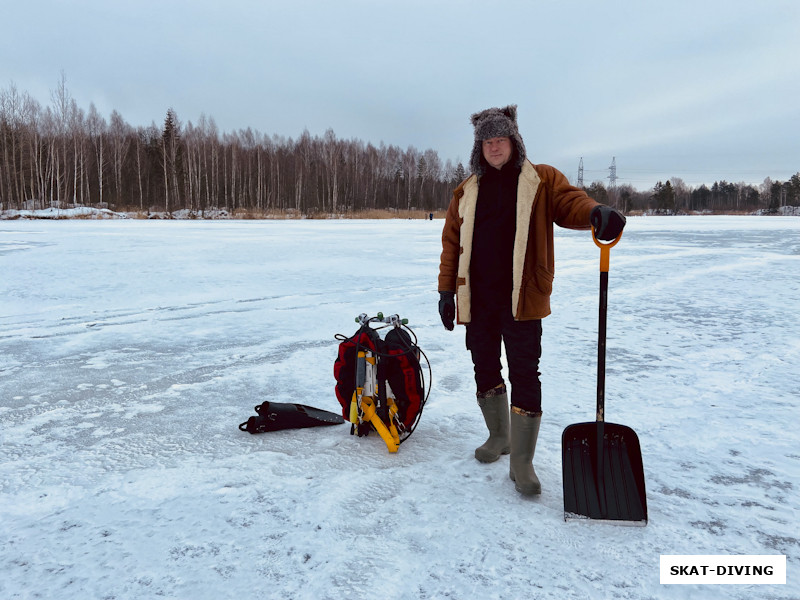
363	407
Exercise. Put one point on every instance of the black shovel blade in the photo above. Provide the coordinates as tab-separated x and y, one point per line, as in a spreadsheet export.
608	487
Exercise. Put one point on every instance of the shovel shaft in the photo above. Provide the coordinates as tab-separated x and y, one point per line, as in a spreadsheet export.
601	346
601	390
605	259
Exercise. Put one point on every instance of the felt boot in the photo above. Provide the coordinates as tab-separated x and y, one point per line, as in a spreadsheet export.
494	406
524	431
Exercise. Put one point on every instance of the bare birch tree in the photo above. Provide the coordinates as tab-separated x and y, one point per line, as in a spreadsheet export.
97	126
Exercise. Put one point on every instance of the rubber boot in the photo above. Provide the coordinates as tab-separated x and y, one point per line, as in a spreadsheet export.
494	406
524	431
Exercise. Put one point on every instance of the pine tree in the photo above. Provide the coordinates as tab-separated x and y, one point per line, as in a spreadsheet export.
170	149
597	192
664	196
461	174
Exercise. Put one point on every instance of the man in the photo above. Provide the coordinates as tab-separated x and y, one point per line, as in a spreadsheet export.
497	268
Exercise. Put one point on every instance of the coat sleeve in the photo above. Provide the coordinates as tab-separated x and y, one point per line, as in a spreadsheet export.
451	245
571	205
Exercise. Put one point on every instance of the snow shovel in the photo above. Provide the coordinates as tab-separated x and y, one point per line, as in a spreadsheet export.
602	462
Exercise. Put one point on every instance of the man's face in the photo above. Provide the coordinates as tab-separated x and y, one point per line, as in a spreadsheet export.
497	151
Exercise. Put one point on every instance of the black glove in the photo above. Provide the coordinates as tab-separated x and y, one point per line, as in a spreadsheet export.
447	309
607	222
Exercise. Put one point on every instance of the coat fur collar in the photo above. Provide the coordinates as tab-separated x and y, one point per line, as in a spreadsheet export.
526	195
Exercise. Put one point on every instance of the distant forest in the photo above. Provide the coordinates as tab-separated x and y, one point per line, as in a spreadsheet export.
61	156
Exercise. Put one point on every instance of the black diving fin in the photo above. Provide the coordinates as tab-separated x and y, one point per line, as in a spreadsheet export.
274	416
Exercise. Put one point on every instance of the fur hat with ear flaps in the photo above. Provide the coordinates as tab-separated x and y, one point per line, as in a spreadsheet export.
491	123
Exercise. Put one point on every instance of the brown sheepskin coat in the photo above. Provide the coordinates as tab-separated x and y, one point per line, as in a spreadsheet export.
544	197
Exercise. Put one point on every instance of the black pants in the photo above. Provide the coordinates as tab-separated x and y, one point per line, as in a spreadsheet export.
523	343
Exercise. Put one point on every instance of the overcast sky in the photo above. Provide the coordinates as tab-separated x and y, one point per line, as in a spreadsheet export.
703	90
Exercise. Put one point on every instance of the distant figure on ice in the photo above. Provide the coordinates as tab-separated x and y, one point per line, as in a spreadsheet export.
497	266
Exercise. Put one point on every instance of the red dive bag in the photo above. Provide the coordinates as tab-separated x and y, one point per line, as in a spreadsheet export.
398	364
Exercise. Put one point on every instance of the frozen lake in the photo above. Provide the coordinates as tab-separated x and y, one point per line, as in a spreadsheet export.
131	350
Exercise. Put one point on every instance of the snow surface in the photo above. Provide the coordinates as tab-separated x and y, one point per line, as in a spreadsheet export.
131	350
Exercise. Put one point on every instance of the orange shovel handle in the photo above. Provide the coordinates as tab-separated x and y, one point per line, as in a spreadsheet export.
605	250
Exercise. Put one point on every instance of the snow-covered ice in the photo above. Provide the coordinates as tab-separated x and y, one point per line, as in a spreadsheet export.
131	350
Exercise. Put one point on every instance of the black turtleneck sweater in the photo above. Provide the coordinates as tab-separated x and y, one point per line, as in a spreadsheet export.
493	239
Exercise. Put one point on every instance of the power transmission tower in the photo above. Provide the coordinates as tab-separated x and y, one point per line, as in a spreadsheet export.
612	173
612	182
580	173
